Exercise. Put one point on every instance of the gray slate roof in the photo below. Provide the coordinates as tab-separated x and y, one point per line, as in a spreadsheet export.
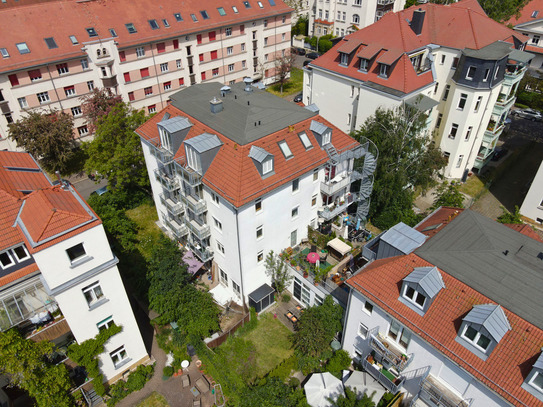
496	50
539	362
175	124
493	259
238	118
204	142
258	153
491	317
318	128
404	238
429	278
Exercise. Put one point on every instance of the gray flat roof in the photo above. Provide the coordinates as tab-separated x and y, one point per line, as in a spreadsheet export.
404	238
496	50
246	116
493	259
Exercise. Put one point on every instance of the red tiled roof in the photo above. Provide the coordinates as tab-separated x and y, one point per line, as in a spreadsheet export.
233	174
60	19
505	368
531	48
525	230
459	25
439	218
9	234
526	12
25	271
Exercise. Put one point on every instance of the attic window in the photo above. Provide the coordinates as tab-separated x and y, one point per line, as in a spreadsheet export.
92	32
165	22
23	48
112	32
178	17
535	13
74	40
260	4
537	379
414	296
305	140
364	64
4	52
326	138
285	149
131	28
50	41
204	14
344	59
235	9
193	16
221	11
267	166
246	4
420	287
272	2
476	337
471	72
154	24
383	70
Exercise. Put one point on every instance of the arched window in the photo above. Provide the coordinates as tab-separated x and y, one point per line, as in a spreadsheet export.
356	19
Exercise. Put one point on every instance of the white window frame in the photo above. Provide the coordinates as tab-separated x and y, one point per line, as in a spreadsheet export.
236	287
90	85
83	130
295	212
314	201
258	205
164	67
459	162
468	133
474	341
478	104
218	224
470	73
296	185
487	74
220	247
462	101
367	307
231	67
229	50
285	149
259	232
402	330
260	256
364	63
362	330
76	111
305	140
178	64
415	296
70	91
85	63
105	324
140	52
93	293
215	198
79	257
454	131
10	257
326	138
22	102
532	381
26	255
344	59
43	97
224	277
228	31
383	70
121	354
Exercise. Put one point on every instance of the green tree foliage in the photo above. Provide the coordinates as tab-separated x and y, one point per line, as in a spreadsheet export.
136	380
98	104
86	354
116	153
407	159
277	270
272	392
300	28
26	364
529	93
350	400
340	361
324	43
198	313
448	195
508	217
317	327
47	136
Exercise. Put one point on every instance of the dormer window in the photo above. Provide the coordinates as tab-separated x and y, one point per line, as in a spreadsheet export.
285	149
477	338
267	166
534	381
421	287
326	138
131	28
165	138
364	64
414	296
193	158
263	160
471	73
344	59
383	70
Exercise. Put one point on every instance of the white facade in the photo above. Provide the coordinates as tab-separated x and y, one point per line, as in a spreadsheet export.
532	206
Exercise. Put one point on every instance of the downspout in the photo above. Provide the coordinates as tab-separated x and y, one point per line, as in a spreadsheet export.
156	74
239	256
54	87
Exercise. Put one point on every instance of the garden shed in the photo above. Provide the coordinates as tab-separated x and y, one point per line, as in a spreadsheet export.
261	298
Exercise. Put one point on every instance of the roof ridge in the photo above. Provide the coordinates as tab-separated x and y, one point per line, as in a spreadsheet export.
44	228
472	28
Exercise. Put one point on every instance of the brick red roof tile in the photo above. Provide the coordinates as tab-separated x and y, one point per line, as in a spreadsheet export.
525	230
526	12
439	218
505	368
25	271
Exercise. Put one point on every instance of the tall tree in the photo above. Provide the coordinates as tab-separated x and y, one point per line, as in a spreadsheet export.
277	270
350	399
283	66
26	364
48	136
116	153
448	195
510	218
98	104
407	159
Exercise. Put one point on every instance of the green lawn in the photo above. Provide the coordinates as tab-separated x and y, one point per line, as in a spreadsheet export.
272	341
145	216
154	400
294	84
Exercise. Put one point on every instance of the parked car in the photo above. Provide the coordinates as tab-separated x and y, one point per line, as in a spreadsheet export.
499	152
530	114
313	55
307	61
100	191
298	51
298	97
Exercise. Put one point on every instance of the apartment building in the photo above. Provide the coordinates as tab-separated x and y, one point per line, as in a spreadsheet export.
142	51
457	321
532	206
451	62
237	172
530	23
58	277
343	17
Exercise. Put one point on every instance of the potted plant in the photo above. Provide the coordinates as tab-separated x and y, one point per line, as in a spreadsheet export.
306	274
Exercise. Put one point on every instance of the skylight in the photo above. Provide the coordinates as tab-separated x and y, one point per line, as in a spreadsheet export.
246	4
260	4
235	9
285	149
154	25
131	28
305	140
4	52
50	41
165	22
193	16
272	2
178	17
204	14
535	13
221	11
92	32
112	32
23	48
74	40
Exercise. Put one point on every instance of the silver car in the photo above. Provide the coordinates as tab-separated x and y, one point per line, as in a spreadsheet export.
530	114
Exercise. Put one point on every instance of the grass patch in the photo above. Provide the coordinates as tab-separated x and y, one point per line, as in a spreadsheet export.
154	400
145	216
272	341
473	187
293	85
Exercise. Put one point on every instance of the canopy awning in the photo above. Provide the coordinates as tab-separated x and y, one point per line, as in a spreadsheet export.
339	246
192	262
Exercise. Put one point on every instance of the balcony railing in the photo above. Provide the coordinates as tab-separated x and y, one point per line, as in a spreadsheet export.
197	206
384	348
331	187
189	175
178	229
204	254
162	155
175	208
435	393
390	381
168	182
385	2
202	232
331	211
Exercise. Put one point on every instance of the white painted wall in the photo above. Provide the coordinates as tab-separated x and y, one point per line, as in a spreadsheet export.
532	206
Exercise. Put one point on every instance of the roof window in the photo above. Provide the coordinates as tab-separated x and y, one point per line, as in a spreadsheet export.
50	41
23	48
92	32
535	13
260	4
165	22
305	140
272	2
221	11
73	39
534	381
112	32
246	4
178	17
4	52
235	9
154	24
193	16
204	14
285	149
262	159
131	28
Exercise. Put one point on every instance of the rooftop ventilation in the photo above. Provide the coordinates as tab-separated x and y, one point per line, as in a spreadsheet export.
225	90
248	81
417	21
216	105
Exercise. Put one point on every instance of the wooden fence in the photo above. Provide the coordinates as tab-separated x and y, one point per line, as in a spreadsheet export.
224	336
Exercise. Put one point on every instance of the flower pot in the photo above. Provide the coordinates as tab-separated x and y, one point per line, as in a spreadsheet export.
306	275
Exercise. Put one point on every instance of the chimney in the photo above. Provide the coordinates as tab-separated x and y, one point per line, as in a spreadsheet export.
216	105
417	21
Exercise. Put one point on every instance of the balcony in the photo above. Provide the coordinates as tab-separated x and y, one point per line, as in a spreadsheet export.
434	393
489	137
162	155
178	229
385	2
204	255
168	182
513	74
329	212
505	101
388	351
189	175
201	232
196	205
51	331
387	378
110	82
175	208
336	184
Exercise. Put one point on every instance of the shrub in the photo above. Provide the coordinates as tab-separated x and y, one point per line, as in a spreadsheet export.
340	361
136	380
283	370
167	371
293	382
285	298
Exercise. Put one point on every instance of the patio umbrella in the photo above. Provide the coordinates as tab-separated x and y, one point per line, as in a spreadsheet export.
320	387
364	383
312	257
